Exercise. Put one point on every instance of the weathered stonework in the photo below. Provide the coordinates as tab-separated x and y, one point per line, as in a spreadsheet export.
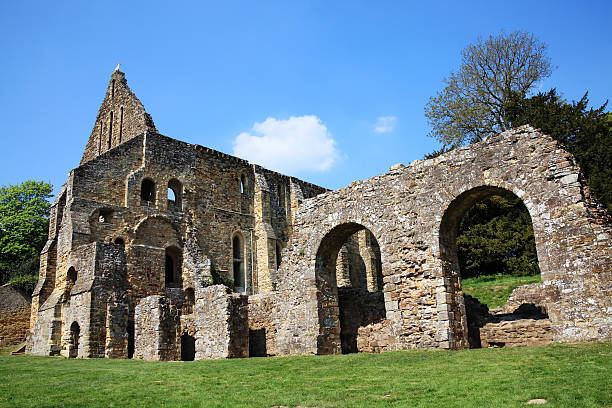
14	316
147	226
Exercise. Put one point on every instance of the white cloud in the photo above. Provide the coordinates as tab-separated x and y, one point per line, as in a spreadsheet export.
385	124
289	146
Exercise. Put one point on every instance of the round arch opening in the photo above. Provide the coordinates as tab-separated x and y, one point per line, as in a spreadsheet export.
348	271
478	243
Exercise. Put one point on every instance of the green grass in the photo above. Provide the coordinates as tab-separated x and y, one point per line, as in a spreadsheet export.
568	375
494	290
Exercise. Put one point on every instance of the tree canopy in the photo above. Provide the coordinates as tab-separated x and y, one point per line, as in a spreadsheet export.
24	222
584	132
496	237
471	106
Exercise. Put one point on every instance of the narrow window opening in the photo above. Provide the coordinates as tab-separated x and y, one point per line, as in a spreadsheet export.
121	125
110	130
278	255
242	184
238	264
189	300
173	268
130	332
147	190
100	139
113	88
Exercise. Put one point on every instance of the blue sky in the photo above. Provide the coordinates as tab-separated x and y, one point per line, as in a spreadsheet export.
352	76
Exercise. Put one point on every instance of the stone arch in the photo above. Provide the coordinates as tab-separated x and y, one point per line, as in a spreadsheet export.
342	311
175	195
156	231
75	335
450	270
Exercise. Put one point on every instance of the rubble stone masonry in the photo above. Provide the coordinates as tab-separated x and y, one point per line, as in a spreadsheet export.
163	250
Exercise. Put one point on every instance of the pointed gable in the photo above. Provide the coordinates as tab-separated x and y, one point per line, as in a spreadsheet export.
120	118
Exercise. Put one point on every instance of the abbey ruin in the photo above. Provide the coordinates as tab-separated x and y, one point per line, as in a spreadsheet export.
165	250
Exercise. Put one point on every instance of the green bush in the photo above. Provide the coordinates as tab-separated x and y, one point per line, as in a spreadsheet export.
25	283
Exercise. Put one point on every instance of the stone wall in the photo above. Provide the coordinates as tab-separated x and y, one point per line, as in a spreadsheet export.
14	316
413	213
147	218
156	323
262	327
221	322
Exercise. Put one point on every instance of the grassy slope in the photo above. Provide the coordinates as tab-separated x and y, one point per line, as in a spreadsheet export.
565	375
495	290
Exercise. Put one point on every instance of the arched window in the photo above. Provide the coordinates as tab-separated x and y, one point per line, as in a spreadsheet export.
110	130
75	334
121	124
238	263
173	267
189	300
71	277
147	191
175	193
243	186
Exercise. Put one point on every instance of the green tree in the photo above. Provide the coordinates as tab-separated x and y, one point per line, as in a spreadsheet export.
24	223
496	237
471	106
584	132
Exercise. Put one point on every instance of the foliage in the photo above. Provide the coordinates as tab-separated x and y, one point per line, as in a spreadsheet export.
494	290
471	106
25	283
220	278
24	222
566	375
584	132
496	237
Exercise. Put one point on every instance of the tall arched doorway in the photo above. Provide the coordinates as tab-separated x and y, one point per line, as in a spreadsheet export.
349	278
75	334
487	248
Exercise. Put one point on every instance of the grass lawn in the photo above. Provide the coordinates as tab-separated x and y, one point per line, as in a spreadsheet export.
569	375
494	290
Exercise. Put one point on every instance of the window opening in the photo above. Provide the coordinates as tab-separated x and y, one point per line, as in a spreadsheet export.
242	184
121	124
175	192
172	268
110	130
147	190
238	264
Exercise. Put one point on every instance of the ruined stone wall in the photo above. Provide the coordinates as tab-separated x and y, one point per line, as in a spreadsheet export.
221	322
262	327
14	316
413	212
156	324
120	118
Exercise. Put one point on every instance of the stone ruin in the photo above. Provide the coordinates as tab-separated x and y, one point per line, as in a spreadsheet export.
164	250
